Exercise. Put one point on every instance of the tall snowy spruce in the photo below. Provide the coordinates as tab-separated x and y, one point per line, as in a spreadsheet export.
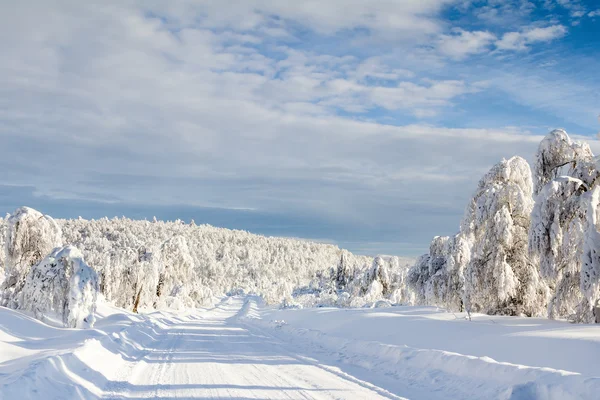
30	236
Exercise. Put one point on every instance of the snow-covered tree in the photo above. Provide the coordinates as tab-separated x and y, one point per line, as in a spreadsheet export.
418	276
29	237
458	258
449	257
146	278
438	277
3	229
558	155
381	273
436	285
561	235
375	282
500	279
343	273
590	267
62	285
401	292
556	242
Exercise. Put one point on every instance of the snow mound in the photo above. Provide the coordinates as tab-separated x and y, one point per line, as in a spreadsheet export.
382	304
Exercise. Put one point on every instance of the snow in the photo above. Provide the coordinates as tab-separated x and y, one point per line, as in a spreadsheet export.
242	348
430	349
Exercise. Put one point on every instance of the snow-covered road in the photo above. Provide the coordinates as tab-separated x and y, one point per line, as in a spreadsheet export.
200	355
212	356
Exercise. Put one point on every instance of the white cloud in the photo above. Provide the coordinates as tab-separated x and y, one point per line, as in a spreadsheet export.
463	43
376	68
408	18
522	40
595	13
203	102
548	91
504	13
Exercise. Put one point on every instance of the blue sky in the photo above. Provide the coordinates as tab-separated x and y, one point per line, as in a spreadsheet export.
362	123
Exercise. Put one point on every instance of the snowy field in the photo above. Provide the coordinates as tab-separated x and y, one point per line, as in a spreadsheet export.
241	350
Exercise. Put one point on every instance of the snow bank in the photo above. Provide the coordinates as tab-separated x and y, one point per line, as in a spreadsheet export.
373	339
66	363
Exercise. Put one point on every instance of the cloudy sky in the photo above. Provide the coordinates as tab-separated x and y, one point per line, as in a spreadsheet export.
365	123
